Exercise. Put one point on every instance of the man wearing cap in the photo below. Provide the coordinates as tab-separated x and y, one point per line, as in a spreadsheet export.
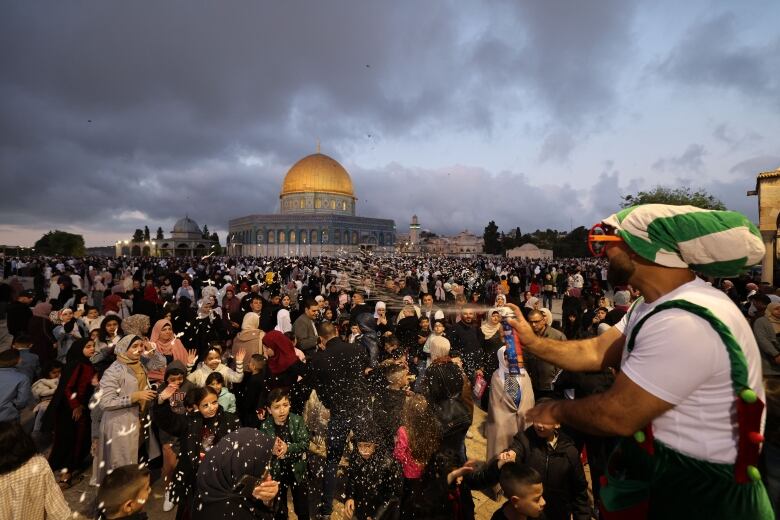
19	313
688	397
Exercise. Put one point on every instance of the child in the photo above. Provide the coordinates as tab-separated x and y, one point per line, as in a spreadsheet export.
373	477
175	374
288	466
213	363
523	485
197	430
552	453
123	493
226	399
43	390
256	392
16	386
391	400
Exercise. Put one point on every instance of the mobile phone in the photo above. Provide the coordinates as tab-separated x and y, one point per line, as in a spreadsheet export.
81	307
246	485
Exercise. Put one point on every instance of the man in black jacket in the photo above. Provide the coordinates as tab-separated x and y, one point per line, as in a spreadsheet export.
18	313
466	342
337	375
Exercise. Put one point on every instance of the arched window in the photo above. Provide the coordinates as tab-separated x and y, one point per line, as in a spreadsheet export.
318	203
333	204
260	236
324	236
282	237
272	237
337	236
313	236
344	206
293	237
354	238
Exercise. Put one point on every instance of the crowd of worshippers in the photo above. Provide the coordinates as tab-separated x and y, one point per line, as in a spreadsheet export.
338	379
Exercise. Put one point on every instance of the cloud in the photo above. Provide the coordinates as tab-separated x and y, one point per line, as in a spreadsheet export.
711	55
736	140
691	160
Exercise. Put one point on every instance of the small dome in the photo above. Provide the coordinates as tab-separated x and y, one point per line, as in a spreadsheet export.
186	225
317	173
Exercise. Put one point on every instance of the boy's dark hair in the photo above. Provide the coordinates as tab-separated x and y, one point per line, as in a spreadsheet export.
391	341
291	336
18	447
277	394
310	302
175	371
22	338
514	477
215	376
761	297
9	358
119	486
52	365
392	368
258	358
196	395
603	309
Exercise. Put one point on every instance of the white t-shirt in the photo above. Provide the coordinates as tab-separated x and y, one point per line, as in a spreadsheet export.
680	358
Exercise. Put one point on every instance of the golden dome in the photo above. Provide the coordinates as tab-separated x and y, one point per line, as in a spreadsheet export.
317	173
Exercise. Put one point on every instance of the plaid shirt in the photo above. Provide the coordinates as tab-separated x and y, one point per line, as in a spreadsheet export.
30	493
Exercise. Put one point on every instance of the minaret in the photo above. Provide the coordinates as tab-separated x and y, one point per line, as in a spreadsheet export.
414	232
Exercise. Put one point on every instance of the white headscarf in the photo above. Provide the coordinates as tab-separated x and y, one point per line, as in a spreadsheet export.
379	305
283	322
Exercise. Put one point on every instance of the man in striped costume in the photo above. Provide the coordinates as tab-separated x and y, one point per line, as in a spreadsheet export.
688	396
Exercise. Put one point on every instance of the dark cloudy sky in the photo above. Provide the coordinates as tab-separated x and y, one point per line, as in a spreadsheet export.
116	114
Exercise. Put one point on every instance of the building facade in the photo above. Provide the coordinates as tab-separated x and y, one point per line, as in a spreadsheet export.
186	240
768	191
317	217
464	244
531	252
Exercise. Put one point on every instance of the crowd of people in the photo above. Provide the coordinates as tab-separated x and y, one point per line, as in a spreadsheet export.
351	379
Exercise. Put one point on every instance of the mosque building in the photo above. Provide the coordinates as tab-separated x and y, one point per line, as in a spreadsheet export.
186	239
317	217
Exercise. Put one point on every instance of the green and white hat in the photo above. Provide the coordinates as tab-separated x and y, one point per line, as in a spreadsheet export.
712	242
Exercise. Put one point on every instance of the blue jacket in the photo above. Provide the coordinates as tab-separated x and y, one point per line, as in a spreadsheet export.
14	393
30	365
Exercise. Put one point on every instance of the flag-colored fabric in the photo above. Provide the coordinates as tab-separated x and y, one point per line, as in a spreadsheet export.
712	242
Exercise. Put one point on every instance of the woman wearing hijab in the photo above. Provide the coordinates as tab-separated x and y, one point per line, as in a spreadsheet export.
68	413
234	481
283	319
491	339
511	396
41	331
283	362
251	337
125	398
167	344
384	325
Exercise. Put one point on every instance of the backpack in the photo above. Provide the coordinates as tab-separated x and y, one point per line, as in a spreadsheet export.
453	416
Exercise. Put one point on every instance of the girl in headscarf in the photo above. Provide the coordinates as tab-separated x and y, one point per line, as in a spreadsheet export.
223	492
41	330
125	398
198	432
491	339
384	326
68	413
283	363
167	344
283	321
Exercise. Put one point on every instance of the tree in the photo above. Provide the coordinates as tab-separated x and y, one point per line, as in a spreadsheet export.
678	196
160	235
138	236
492	245
60	243
217	247
146	233
206	233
